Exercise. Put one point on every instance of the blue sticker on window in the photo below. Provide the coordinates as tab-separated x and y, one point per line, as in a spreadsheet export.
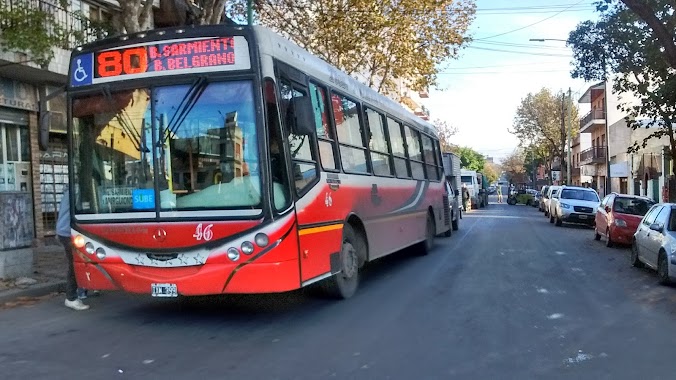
82	70
143	199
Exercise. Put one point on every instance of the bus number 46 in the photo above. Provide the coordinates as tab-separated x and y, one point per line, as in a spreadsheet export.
203	233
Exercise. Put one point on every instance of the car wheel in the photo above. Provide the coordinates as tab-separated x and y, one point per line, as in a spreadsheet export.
546	213
559	222
551	218
455	224
635	261
663	269
609	242
597	235
344	284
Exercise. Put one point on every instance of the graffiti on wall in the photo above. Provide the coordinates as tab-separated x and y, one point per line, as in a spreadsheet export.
16	213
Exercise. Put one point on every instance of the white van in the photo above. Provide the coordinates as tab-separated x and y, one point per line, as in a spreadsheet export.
469	179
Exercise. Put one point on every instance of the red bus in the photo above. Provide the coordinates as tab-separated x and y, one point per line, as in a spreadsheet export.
217	159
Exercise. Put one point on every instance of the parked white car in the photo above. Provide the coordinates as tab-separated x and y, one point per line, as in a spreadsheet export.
654	242
574	204
552	192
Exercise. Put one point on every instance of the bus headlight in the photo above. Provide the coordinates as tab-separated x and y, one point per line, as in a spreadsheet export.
261	239
79	241
233	254
101	253
247	247
89	247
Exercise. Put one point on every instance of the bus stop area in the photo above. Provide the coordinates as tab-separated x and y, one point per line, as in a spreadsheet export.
47	278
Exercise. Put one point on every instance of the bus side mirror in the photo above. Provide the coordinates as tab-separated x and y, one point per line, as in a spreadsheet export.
300	116
43	134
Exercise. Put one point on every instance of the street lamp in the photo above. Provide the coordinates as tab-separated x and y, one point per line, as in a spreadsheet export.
545	39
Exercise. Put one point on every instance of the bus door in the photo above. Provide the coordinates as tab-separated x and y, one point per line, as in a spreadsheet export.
318	240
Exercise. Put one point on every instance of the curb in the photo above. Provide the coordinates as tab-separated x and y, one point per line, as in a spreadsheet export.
33	291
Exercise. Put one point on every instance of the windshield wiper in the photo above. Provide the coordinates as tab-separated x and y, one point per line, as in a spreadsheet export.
187	103
127	125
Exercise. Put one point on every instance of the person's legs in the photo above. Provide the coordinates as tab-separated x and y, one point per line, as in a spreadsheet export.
72	300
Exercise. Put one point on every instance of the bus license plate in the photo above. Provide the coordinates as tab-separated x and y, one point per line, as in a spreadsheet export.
164	290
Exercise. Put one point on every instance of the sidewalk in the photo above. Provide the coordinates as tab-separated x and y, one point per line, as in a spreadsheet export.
48	275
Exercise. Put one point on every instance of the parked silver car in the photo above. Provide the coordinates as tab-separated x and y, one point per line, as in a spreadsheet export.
574	205
654	242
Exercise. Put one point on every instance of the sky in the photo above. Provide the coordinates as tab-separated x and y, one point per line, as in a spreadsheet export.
479	92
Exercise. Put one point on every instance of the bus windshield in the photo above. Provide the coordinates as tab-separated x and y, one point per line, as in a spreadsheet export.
178	147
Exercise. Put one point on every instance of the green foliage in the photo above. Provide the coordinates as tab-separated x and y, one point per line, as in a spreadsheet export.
624	44
28	29
538	124
469	158
383	43
491	171
24	27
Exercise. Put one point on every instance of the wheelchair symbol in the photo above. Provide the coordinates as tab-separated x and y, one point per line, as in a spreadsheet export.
80	73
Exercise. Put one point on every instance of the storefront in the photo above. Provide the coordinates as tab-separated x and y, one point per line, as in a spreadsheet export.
18	147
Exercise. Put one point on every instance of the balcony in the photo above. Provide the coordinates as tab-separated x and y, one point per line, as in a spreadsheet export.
594	117
593	155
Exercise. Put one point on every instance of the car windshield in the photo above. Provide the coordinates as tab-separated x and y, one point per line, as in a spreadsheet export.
179	147
632	206
579	194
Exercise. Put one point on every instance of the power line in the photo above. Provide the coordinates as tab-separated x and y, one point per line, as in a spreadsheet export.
504	72
493	66
529	25
527	46
520	52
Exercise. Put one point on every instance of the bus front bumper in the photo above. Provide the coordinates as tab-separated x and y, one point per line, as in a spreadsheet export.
191	281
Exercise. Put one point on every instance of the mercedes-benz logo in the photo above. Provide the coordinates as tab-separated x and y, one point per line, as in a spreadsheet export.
160	235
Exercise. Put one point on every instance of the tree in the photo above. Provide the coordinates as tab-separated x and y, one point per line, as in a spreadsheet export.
624	44
469	158
540	124
491	171
513	166
445	131
379	43
658	15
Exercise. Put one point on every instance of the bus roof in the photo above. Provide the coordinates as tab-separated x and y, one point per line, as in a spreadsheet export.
278	47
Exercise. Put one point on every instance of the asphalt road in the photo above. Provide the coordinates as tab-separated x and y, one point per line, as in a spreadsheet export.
509	296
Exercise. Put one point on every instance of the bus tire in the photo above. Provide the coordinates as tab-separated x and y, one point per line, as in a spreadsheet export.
344	284
428	244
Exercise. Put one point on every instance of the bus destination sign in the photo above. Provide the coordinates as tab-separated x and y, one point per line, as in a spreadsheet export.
160	58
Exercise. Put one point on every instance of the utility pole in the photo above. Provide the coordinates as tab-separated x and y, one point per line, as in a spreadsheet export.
563	127
570	132
249	12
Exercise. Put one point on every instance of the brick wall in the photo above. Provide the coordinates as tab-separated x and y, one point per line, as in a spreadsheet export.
34	129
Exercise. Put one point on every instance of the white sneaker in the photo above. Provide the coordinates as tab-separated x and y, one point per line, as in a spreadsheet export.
76	305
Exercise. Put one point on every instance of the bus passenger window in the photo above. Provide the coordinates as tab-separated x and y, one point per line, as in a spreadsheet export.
414	152
430	158
398	149
325	136
380	153
352	147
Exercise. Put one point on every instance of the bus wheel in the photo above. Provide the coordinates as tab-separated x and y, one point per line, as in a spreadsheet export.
344	284
428	244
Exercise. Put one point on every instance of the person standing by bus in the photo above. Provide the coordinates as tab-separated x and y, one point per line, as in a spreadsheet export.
499	194
63	233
